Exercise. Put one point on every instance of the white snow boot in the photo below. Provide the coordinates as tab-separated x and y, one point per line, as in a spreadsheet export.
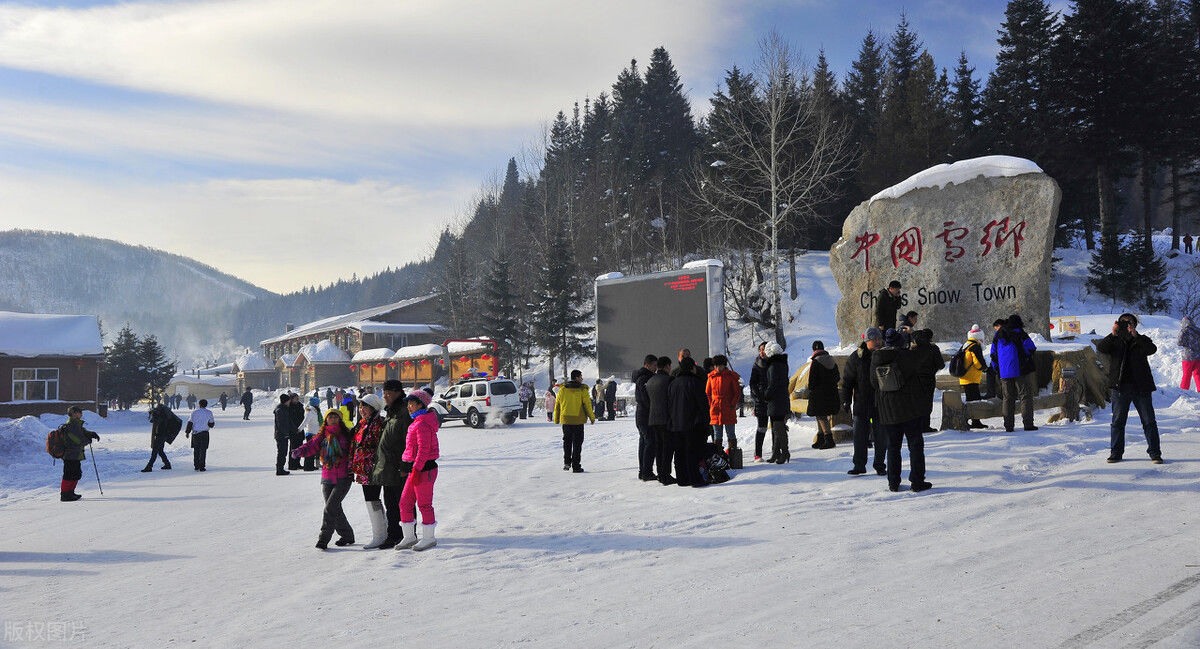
410	536
427	539
378	524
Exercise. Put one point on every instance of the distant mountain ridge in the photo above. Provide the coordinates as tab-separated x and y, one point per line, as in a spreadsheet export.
185	303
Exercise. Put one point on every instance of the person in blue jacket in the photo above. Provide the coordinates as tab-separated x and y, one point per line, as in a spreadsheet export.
1012	355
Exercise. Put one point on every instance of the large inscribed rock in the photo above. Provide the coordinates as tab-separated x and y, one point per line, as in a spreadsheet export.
969	241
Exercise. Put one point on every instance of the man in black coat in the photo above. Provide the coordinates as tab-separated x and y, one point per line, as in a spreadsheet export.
296	436
247	401
647	449
929	363
283	432
1131	381
390	471
758	390
857	393
158	436
687	405
610	398
659	418
778	402
901	411
887	305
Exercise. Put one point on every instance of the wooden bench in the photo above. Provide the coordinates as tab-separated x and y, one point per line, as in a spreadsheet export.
957	414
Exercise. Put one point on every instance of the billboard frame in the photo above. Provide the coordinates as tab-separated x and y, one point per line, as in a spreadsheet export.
714	277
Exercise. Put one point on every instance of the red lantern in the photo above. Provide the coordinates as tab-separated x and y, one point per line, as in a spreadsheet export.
441	361
425	361
353	367
378	364
407	363
485	357
392	365
463	359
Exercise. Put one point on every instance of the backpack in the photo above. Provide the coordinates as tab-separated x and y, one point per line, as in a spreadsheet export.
169	427
889	378
958	362
715	469
56	442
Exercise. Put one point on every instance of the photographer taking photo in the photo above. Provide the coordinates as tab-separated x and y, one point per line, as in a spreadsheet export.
1131	382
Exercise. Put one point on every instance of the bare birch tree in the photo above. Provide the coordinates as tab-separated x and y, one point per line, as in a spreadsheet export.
781	155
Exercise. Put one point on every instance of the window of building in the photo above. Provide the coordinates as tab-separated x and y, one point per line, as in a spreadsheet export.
34	384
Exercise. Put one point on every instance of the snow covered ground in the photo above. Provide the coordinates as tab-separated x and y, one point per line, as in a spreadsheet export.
1026	539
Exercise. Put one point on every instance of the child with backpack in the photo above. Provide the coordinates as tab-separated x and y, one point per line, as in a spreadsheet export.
967	364
332	446
70	439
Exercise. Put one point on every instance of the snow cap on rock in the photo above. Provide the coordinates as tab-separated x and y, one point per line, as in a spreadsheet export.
975	333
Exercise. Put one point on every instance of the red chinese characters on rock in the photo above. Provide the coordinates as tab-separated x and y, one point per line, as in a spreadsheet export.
949	235
865	242
907	246
1002	233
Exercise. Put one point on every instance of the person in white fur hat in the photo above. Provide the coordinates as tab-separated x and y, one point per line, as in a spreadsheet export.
974	368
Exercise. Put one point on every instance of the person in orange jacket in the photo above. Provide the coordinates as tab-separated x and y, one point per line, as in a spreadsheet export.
724	392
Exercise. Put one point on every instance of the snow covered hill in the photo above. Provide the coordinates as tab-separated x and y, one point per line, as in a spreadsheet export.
182	301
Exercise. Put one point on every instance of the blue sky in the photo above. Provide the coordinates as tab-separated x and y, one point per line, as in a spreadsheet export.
251	134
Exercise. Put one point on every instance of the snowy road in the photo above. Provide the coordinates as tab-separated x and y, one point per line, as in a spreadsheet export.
1026	540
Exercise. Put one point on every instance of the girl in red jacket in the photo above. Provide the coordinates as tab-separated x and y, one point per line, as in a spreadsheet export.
420	453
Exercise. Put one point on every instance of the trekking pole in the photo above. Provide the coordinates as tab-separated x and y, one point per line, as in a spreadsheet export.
93	454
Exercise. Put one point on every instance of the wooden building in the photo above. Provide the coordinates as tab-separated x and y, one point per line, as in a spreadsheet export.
408	322
49	363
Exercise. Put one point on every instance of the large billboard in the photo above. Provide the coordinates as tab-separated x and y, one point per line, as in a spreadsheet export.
659	314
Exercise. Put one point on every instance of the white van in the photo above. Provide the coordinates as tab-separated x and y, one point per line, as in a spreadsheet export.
478	400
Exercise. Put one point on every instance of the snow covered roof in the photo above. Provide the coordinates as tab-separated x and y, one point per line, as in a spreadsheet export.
373	327
418	351
347	319
288	360
253	362
959	172
227	368
324	352
377	354
225	380
37	334
704	263
466	347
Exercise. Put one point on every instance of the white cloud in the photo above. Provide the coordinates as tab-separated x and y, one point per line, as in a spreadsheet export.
280	234
462	63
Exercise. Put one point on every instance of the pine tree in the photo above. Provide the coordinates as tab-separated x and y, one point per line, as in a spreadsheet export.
500	319
1099	85
122	378
863	91
964	111
1016	102
1146	273
562	319
154	366
670	142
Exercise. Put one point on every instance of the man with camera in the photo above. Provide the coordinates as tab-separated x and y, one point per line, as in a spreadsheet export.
1131	382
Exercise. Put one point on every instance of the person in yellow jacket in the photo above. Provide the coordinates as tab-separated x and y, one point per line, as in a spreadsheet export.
573	408
973	361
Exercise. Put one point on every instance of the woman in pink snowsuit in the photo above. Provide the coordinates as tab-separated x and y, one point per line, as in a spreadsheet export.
420	453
